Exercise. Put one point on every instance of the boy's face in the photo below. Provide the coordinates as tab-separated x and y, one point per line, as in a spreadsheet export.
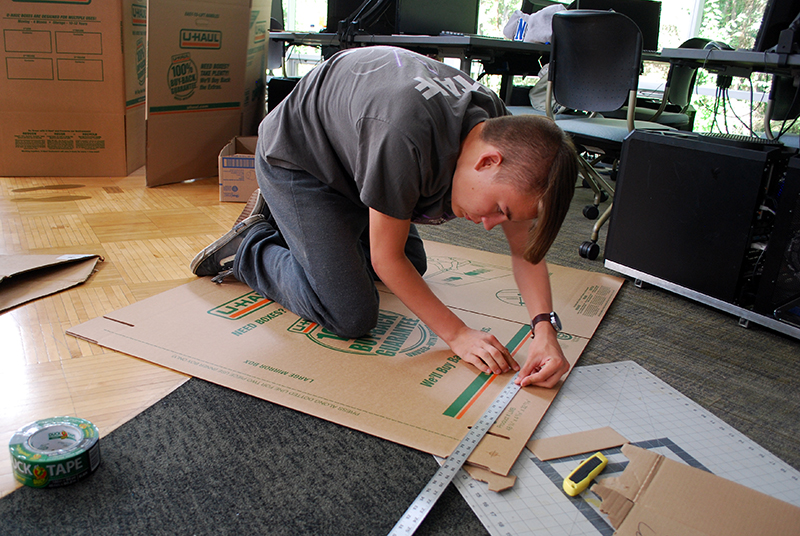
478	197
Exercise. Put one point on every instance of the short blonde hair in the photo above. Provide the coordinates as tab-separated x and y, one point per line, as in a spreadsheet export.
540	159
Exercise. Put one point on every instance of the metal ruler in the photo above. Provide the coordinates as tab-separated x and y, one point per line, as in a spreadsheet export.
424	502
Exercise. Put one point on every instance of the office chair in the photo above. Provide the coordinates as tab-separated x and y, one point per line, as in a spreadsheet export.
674	107
594	67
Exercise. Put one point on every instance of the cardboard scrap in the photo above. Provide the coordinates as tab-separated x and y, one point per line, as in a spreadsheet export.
400	382
24	278
656	495
496	482
552	448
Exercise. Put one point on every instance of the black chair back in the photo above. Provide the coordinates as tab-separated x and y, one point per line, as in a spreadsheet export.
595	59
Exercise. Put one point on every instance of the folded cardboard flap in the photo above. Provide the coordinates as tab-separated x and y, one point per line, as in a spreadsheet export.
27	277
656	495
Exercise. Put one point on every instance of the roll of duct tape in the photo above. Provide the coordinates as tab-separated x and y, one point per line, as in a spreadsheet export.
55	452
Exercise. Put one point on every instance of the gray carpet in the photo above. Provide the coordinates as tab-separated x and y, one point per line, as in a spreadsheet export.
207	460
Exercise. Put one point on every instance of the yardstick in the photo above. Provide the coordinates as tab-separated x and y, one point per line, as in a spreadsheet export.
424	502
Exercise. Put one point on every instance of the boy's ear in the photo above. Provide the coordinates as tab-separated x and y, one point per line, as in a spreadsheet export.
489	158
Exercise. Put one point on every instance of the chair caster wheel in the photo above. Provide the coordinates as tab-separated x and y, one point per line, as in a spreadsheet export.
589	250
591	212
603	196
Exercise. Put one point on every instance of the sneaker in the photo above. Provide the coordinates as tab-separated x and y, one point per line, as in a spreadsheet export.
217	258
255	205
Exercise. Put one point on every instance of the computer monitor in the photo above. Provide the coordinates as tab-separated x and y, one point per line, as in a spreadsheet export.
778	16
417	17
531	6
427	17
645	13
339	10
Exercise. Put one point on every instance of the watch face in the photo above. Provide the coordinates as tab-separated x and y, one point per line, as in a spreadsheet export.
555	321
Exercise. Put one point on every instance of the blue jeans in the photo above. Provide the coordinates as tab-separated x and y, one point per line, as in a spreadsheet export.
313	255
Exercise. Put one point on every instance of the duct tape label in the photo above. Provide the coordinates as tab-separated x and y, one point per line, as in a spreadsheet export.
55	452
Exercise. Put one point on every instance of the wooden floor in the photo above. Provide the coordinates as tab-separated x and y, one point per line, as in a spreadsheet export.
147	237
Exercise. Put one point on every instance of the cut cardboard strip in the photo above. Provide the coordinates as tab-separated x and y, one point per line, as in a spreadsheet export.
656	495
400	383
552	448
24	278
495	482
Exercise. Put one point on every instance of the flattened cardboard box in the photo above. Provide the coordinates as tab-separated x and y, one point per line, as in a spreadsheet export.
72	88
656	495
400	383
205	82
24	278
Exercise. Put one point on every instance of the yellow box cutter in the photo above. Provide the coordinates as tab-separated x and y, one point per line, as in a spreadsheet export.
579	479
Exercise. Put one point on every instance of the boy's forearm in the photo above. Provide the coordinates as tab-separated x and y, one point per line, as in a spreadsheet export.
533	280
405	282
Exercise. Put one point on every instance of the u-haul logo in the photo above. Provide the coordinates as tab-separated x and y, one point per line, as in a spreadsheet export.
203	39
139	15
260	34
241	306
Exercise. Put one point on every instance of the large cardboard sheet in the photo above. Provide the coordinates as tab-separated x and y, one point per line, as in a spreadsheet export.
400	383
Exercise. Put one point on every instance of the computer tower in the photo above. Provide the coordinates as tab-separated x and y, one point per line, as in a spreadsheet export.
686	209
778	279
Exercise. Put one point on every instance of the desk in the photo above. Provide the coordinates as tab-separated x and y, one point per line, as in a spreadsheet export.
734	62
497	56
741	63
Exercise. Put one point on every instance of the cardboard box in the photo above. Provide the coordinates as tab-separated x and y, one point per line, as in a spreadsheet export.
24	278
206	70
656	495
72	88
400	383
237	169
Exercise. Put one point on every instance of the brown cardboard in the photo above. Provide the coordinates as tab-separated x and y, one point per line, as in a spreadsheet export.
495	482
656	495
484	282
204	81
24	278
402	383
552	448
237	169
72	88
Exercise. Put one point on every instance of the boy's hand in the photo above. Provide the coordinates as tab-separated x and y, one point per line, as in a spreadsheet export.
483	351
546	362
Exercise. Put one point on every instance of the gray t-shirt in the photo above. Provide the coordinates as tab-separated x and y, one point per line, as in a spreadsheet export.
382	126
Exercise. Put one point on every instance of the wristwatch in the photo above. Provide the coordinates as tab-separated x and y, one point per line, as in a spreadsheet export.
551	317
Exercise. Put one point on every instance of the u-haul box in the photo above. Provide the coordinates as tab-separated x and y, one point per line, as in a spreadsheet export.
72	87
206	72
